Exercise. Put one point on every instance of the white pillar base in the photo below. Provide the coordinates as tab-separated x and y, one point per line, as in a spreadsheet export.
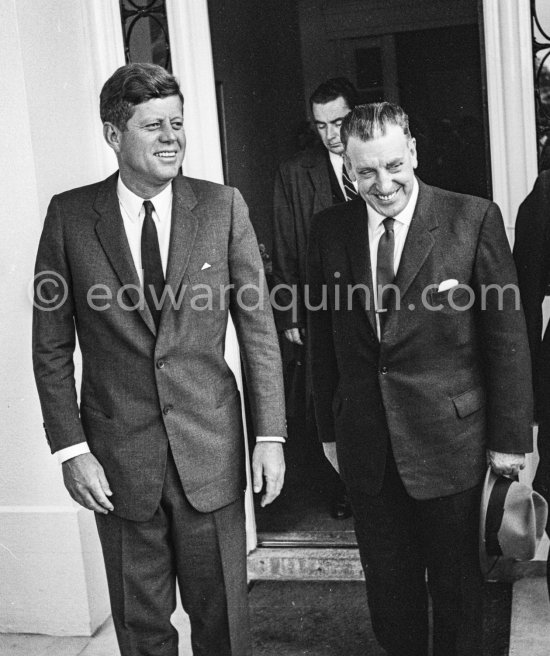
51	571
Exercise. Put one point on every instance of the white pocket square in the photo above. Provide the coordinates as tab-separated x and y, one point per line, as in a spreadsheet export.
205	266
447	284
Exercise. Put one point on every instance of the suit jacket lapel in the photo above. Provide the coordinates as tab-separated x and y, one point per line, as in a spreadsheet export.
420	239
357	245
182	235
111	234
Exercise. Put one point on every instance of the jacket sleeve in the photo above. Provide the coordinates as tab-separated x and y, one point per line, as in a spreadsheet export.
503	340
288	307
322	357
253	318
532	256
53	336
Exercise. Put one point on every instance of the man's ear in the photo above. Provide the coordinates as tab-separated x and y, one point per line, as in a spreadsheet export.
111	135
349	167
412	150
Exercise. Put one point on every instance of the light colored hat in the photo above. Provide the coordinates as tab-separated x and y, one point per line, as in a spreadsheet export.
512	520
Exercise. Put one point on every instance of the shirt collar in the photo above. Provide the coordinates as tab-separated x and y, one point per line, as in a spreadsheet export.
405	216
133	203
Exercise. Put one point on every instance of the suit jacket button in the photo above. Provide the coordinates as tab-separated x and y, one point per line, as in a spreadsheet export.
384	370
160	364
167	409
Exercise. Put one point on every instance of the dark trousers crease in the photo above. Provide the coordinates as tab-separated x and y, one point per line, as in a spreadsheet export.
205	553
399	539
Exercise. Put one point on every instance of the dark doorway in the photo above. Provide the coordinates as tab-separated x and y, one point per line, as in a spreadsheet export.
268	57
440	85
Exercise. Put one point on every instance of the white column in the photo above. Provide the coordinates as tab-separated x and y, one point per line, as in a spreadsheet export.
511	108
51	570
511	103
103	33
193	66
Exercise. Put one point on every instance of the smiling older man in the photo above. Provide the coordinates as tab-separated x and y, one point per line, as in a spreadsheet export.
416	385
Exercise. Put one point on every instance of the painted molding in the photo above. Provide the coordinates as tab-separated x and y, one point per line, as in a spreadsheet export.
51	568
511	103
103	31
356	18
192	64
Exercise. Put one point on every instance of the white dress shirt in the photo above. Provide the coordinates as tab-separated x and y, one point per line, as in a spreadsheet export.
133	213
400	231
337	162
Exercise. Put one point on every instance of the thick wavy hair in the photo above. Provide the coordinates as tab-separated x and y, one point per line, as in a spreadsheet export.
334	88
132	85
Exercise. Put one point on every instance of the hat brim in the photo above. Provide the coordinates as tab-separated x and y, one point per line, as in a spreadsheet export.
486	562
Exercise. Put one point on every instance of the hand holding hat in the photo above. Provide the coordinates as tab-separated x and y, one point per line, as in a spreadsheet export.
512	520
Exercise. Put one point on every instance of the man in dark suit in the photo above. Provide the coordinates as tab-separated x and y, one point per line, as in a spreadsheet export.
532	255
417	385
149	263
308	182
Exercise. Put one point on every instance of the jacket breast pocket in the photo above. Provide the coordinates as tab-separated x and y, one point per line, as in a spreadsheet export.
452	315
209	288
218	270
457	299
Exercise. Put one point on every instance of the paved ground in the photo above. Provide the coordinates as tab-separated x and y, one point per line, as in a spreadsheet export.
530	631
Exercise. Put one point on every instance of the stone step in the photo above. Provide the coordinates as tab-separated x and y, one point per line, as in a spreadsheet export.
304	563
292	561
313	539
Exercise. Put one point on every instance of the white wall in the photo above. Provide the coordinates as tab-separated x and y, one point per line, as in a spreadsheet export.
50	565
56	55
510	104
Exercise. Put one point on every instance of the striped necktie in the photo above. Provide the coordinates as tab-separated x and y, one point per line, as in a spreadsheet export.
349	188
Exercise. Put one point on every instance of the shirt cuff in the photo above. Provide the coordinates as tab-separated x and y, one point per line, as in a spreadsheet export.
263	438
72	451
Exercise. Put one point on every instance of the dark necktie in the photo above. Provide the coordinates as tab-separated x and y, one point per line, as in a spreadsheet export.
349	189
385	269
153	276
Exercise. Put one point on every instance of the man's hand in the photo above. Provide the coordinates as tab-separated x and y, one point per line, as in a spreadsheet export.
330	453
506	464
295	335
268	462
86	482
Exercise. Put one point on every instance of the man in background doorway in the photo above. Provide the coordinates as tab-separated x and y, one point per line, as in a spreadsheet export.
419	360
308	182
532	255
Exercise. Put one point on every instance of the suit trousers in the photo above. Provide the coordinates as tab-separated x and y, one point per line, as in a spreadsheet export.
204	552
400	539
